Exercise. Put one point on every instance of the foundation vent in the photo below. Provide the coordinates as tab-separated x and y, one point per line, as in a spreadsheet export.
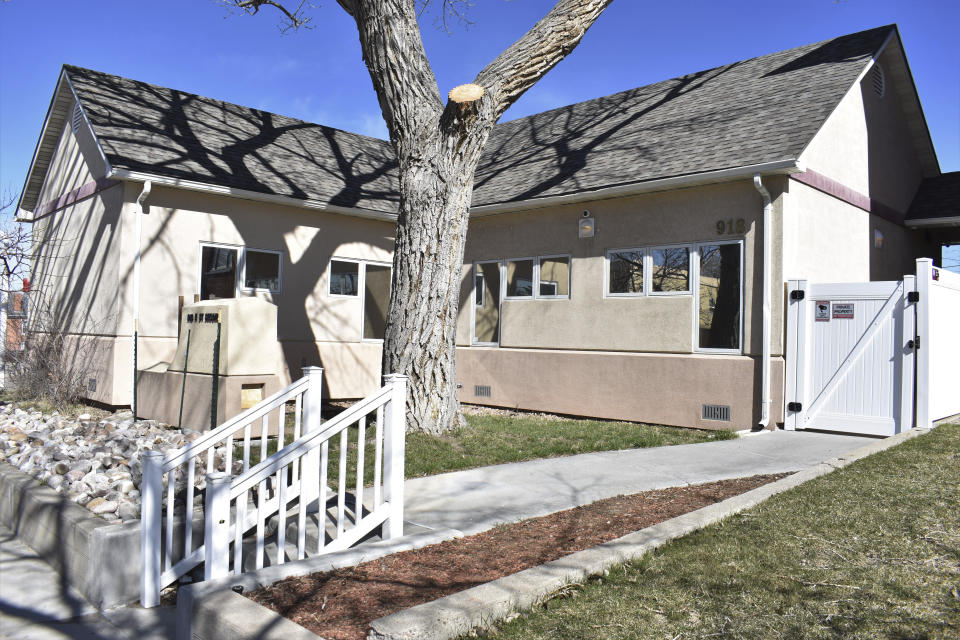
77	118
91	384
481	391
716	412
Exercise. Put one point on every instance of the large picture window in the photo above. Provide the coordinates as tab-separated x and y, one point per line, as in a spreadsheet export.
719	296
226	269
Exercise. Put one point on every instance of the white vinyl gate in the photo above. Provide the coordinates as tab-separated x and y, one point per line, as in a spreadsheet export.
850	356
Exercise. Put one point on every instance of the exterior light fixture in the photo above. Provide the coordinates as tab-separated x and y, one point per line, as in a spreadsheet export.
587	227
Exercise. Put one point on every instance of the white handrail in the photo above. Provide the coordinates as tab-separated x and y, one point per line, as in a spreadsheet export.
233	425
308	442
304	453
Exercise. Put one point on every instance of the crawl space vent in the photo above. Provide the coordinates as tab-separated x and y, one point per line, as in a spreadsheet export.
716	412
481	391
77	118
879	80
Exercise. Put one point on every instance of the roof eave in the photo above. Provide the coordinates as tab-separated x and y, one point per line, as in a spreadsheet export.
203	187
783	167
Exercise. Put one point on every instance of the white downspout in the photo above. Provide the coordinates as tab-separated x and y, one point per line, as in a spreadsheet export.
144	194
765	351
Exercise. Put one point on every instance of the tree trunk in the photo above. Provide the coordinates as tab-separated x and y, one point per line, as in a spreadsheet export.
435	192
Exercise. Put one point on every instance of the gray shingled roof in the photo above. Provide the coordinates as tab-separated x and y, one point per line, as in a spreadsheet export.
143	127
761	110
938	197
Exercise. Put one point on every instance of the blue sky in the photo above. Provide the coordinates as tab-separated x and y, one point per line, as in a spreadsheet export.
318	74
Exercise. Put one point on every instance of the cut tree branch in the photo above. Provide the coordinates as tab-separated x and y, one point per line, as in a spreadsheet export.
528	59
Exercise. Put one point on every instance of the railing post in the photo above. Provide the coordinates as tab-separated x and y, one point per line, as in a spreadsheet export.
216	537
394	444
310	467
151	489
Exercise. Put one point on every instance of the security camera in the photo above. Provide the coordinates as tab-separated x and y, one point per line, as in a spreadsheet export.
586	214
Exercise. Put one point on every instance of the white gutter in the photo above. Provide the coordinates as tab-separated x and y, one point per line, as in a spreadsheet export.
661	184
144	194
191	185
765	351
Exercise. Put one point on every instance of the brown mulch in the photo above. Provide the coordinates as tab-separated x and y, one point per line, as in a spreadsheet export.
341	604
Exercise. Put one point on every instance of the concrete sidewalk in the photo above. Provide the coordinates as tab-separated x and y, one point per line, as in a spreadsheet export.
478	499
37	604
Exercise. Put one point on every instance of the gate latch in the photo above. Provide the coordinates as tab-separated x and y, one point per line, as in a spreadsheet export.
797	294
913	296
795	406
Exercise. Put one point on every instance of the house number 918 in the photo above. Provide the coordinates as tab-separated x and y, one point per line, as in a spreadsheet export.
731	226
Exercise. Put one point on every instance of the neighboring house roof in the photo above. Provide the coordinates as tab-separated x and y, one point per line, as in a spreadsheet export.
755	112
937	200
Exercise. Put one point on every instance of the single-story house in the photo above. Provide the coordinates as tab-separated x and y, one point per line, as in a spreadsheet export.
618	262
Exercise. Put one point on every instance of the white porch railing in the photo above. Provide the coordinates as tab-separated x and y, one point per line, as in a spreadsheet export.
175	475
231	513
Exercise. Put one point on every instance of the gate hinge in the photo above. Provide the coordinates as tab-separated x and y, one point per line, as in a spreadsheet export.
795	406
797	294
916	343
913	296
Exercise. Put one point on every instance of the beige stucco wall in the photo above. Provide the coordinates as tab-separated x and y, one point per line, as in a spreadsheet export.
643	387
588	319
826	239
176	224
866	146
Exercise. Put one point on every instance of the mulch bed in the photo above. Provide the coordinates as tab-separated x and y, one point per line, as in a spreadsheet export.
341	604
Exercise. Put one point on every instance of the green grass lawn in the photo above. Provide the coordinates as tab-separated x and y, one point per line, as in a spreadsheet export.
496	439
870	551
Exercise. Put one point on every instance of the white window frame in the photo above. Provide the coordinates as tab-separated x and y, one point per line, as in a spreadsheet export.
502	270
695	285
606	273
648	270
533	277
362	289
360	278
536	277
219	245
242	269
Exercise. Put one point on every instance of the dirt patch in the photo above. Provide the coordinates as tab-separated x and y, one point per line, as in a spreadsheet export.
341	604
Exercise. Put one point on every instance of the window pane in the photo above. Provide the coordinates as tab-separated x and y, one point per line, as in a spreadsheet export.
262	270
720	296
218	273
626	271
555	276
671	269
478	290
520	278
486	318
344	278
376	296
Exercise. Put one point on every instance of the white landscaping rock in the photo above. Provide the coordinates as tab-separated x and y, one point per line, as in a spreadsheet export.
95	463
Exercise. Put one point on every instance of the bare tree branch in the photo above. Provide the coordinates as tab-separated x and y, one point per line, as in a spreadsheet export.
538	51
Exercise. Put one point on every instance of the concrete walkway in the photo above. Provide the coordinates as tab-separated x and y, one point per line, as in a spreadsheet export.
35	604
478	499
